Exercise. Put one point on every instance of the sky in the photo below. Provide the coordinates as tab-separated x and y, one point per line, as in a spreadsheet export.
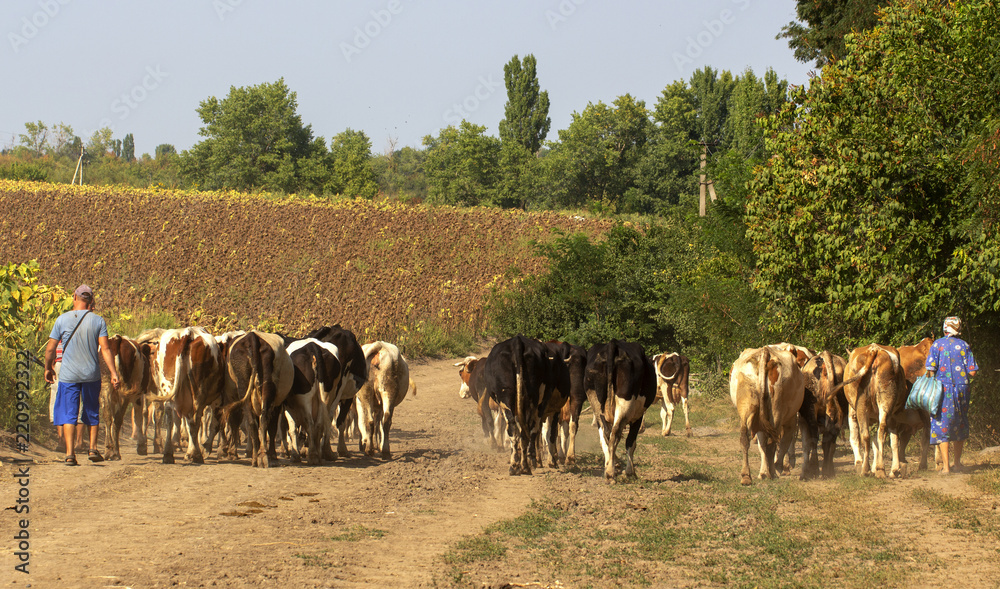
398	70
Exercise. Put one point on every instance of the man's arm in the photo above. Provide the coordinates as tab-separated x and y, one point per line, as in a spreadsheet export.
109	360
50	360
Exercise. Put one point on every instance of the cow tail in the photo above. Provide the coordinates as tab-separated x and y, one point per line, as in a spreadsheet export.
609	403
413	388
766	411
256	375
519	379
180	403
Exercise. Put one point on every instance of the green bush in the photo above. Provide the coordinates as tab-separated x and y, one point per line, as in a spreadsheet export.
24	171
664	284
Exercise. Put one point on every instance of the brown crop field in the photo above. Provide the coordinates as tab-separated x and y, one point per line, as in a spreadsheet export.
381	269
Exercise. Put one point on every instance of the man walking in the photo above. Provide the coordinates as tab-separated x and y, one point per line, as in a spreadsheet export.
84	338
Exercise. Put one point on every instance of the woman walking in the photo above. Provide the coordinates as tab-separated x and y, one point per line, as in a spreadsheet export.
950	361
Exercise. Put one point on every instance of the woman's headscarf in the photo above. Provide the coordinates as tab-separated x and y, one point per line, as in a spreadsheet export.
952	326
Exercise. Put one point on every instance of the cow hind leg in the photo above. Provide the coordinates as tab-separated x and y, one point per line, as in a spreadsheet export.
687	418
666	416
384	435
574	426
633	434
745	478
168	440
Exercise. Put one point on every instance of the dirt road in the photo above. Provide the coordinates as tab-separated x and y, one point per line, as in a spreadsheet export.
356	522
367	522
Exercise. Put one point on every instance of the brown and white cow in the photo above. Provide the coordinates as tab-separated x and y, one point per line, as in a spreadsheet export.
876	392
132	364
187	372
472	372
387	386
672	371
566	422
258	377
766	387
620	385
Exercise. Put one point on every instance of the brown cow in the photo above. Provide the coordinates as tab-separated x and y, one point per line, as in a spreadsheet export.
672	371
824	377
912	360
766	387
876	393
132	364
472	371
258	378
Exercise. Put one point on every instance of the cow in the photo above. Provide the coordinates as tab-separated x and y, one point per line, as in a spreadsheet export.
388	383
520	378
672	371
187	370
876	392
912	359
258	377
132	364
317	376
824	378
472	372
621	384
566	422
354	364
767	388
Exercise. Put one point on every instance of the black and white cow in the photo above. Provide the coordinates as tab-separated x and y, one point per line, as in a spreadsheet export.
521	379
621	385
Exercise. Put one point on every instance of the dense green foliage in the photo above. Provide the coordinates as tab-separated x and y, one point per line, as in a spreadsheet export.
666	285
862	220
822	25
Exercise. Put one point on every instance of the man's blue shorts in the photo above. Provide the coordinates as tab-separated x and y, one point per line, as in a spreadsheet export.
68	399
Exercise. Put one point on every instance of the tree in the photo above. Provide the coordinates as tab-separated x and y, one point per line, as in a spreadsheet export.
753	99
128	148
255	139
462	165
351	157
526	119
865	219
35	138
164	149
822	25
101	143
595	157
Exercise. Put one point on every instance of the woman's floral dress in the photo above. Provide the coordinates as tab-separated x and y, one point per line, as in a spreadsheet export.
952	360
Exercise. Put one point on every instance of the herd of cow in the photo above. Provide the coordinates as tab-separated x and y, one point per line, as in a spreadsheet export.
316	388
529	395
782	388
187	379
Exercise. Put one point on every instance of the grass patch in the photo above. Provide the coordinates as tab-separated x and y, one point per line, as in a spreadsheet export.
475	549
358	533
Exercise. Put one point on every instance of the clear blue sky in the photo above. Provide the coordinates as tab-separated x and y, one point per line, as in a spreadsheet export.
390	68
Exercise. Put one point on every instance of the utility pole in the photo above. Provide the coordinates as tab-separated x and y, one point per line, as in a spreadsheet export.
79	168
703	180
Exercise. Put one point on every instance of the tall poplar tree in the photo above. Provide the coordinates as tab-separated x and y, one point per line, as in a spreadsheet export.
526	119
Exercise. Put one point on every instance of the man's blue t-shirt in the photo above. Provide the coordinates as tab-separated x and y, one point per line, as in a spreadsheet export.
80	358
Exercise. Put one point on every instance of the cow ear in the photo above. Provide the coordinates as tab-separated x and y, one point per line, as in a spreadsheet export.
144	349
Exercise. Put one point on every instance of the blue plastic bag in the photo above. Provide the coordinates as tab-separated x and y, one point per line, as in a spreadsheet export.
926	394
